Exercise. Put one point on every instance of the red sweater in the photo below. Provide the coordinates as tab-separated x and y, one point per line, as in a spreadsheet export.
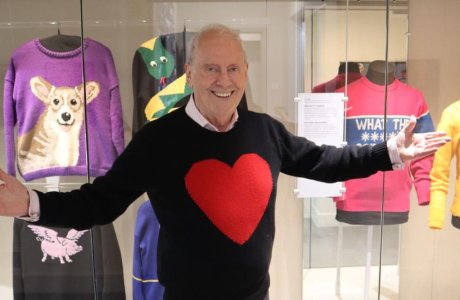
364	125
337	82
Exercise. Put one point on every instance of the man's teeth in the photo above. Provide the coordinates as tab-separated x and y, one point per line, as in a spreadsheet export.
222	94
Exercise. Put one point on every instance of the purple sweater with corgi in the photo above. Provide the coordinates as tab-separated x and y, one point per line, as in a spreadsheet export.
43	100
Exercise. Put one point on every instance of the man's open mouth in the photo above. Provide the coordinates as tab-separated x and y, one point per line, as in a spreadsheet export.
223	94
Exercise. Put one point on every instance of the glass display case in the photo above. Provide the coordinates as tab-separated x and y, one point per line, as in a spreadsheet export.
379	238
348	252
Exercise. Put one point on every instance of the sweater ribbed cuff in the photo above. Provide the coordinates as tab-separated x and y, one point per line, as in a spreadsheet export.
381	157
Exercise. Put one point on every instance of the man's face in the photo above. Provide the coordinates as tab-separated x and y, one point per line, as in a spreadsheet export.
217	75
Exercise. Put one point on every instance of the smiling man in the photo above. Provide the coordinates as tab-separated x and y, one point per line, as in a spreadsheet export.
218	78
211	171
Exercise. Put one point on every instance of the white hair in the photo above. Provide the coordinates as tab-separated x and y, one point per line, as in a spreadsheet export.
217	29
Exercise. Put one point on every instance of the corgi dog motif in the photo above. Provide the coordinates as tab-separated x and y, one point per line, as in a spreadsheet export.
55	140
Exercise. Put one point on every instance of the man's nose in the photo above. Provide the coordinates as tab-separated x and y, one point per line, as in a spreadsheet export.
224	79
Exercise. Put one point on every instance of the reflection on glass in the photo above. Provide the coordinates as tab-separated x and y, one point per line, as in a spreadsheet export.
345	246
61	126
347	73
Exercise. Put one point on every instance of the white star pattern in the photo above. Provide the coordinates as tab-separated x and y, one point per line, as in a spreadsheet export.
365	136
374	136
370	131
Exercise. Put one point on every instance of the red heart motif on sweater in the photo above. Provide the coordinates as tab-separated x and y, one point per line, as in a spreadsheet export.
233	198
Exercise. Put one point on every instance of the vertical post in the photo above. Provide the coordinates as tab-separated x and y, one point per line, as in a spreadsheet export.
339	258
367	274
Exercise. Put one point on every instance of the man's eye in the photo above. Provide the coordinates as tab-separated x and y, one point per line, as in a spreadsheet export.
153	64
163	59
233	69
211	69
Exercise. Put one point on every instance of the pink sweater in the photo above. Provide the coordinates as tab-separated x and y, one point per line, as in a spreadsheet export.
365	125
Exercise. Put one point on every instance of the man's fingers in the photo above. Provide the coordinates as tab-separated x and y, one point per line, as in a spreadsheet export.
435	140
427	147
410	126
435	134
427	152
436	143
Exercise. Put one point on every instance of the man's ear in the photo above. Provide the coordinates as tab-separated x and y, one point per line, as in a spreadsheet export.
41	88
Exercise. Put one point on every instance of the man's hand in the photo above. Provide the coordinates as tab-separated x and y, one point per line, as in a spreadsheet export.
14	197
416	145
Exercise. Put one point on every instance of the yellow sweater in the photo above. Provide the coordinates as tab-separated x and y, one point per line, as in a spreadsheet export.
450	123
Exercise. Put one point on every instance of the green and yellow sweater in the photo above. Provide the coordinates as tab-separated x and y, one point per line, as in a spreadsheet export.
441	170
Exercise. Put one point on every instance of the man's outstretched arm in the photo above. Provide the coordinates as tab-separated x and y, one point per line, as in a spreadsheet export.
15	200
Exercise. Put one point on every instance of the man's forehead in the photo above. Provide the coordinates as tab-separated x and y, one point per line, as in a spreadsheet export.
217	35
218	47
219	59
216	40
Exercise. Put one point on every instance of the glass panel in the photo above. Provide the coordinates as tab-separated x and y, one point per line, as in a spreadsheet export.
291	47
131	29
43	145
344	244
429	242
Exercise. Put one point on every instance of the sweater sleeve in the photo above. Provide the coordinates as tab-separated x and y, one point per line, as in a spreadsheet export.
140	91
137	266
441	171
9	119
18	270
145	279
116	111
116	117
420	168
303	158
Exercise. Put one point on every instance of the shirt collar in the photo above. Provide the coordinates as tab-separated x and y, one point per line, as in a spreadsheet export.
193	112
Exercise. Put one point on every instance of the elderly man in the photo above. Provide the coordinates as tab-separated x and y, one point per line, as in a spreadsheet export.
211	171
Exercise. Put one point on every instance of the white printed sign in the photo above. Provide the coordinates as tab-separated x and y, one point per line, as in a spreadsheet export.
320	118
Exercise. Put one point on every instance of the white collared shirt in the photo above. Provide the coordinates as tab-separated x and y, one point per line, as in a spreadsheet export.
192	111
